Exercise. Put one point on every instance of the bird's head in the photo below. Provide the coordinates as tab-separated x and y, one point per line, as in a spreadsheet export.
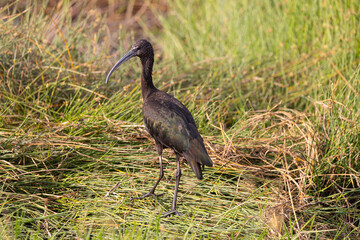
141	48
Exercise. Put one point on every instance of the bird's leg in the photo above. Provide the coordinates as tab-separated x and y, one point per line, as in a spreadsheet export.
159	149
178	175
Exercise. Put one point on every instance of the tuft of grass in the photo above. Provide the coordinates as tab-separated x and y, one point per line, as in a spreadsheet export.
273	87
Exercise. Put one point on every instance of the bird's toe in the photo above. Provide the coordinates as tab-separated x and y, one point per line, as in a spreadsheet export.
172	212
148	195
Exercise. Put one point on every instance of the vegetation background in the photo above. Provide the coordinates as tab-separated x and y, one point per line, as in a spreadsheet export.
273	86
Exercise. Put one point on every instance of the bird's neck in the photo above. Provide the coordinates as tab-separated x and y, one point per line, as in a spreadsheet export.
147	85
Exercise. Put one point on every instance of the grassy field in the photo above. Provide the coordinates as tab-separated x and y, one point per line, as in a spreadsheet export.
274	89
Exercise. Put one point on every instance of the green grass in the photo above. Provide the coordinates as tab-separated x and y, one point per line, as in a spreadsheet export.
273	86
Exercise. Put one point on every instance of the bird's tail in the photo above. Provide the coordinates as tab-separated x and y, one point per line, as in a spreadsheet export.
197	156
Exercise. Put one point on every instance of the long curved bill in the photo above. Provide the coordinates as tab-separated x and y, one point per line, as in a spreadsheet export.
127	56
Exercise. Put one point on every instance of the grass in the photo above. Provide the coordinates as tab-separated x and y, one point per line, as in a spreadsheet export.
273	86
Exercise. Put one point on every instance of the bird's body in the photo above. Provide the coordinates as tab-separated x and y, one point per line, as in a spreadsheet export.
170	123
167	120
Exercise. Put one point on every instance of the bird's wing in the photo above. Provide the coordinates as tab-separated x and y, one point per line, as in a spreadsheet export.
168	124
171	124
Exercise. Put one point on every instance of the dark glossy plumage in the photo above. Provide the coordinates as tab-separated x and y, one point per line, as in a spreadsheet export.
167	120
170	123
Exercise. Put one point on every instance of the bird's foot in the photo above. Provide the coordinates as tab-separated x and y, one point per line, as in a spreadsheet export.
172	212
148	195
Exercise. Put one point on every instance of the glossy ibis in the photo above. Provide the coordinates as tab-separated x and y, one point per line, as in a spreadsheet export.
167	120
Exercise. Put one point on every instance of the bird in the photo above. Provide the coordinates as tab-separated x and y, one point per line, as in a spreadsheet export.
168	121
